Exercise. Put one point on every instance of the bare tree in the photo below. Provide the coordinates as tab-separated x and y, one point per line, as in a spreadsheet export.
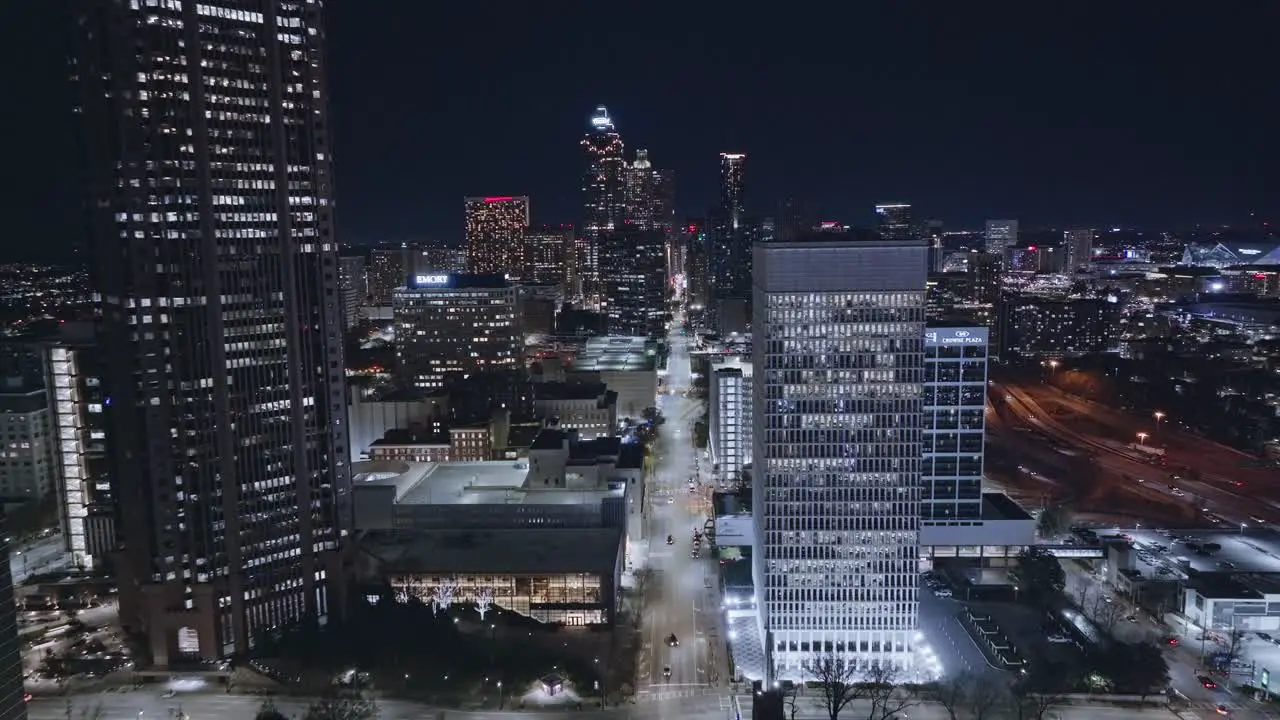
985	696
268	711
1028	705
837	678
887	697
342	707
484	601
790	695
441	596
949	694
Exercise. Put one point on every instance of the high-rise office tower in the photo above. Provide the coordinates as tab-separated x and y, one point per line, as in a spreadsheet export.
353	287
550	257
1079	249
697	265
731	235
385	273
13	704
1000	235
839	376
634	277
454	325
603	196
495	234
210	174
87	506
430	259
795	220
893	220
955	396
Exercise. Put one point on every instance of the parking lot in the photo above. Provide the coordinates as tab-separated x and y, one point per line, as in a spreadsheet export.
1254	550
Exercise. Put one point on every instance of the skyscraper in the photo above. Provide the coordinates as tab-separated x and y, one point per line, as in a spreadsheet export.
387	271
893	220
731	187
633	270
1079	249
495	234
647	195
838	357
210	192
550	257
13	704
353	284
731	233
1000	235
603	201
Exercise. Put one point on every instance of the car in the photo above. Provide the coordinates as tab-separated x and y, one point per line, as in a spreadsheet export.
168	694
666	673
673	641
1264	636
1227	564
1059	638
1222	709
1208	682
1132	618
942	592
1171	641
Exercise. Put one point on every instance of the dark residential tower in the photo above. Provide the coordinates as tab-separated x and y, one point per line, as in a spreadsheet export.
210	199
731	233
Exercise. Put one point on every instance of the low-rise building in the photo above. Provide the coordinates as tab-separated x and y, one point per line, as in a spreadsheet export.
626	365
546	536
589	408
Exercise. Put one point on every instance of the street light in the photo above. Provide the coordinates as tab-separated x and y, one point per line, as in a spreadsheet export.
1142	437
1242	527
1159	416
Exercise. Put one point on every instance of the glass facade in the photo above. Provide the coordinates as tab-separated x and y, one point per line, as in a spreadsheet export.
209	172
839	388
495	235
567	598
603	198
955	387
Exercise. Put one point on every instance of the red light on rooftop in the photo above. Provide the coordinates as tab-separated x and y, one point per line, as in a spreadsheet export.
1031	248
1259	276
501	198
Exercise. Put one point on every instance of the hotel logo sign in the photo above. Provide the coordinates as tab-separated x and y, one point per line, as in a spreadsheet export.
955	336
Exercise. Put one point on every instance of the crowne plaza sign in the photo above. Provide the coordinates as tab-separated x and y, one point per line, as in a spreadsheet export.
956	336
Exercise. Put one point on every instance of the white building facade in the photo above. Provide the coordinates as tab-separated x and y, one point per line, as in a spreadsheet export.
839	361
730	418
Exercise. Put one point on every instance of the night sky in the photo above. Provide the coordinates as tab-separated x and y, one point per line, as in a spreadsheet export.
1151	114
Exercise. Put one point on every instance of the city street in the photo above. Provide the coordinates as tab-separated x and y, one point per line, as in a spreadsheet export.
151	705
45	555
681	596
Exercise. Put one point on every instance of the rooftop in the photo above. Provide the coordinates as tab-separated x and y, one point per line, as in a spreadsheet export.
523	550
614	353
568	390
411	437
492	482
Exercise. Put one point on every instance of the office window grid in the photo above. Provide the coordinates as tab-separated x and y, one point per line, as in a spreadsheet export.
839	474
955	387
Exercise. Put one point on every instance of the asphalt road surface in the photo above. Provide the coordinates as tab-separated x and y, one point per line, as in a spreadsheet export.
150	705
681	596
45	555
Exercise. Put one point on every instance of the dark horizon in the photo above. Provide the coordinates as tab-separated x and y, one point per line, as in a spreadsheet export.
1156	120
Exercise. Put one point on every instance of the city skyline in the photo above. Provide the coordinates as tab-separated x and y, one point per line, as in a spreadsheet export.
1003	140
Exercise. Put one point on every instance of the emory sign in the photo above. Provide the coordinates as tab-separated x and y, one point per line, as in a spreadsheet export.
956	336
431	280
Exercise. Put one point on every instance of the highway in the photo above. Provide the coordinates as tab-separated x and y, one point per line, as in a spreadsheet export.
44	555
682	593
1143	485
